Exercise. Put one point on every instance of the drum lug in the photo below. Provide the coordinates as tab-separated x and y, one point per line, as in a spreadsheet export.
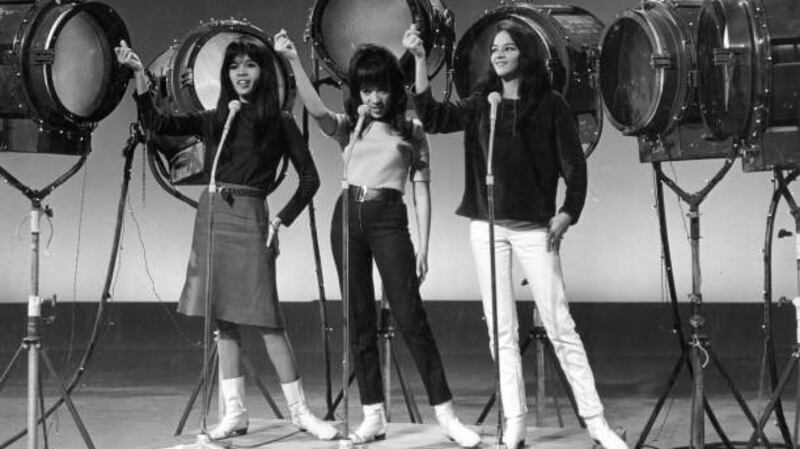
662	61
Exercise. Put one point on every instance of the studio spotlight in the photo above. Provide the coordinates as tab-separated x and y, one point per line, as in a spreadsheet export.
749	63
648	79
568	35
186	79
337	27
58	74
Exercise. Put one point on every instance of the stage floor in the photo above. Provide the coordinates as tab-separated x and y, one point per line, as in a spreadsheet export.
276	434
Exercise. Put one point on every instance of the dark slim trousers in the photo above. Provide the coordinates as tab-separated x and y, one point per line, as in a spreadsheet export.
379	231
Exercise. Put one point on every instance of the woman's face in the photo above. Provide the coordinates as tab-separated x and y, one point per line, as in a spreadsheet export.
245	75
377	98
504	55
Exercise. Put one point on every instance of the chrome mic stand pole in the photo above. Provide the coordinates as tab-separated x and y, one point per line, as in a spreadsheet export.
493	270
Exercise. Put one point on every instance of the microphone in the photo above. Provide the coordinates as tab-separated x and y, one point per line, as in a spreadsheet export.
233	108
494	100
363	110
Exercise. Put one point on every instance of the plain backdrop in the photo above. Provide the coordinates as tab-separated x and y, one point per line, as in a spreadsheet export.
612	255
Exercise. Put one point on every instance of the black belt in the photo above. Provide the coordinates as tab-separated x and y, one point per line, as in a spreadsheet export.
241	191
361	194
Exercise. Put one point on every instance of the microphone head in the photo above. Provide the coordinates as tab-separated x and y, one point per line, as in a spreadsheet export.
363	110
234	106
494	98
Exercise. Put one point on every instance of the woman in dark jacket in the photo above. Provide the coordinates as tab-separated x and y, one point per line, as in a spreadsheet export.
235	266
536	143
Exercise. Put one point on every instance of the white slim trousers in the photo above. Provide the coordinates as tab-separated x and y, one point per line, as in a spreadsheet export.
543	270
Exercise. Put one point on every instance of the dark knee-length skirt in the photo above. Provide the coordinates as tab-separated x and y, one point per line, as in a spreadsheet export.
242	269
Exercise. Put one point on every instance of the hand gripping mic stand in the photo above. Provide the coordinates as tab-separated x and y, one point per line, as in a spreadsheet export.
33	341
494	99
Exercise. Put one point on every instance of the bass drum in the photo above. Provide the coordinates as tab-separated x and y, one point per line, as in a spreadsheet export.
647	62
186	80
337	27
568	35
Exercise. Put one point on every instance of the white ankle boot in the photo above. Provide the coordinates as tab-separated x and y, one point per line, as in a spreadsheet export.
373	427
302	416
514	432
600	432
234	421
453	428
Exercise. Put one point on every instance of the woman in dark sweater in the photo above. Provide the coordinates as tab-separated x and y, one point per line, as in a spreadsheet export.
536	142
238	269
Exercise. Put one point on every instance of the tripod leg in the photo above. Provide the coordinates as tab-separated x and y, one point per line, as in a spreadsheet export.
776	394
251	371
41	413
742	404
7	371
67	400
339	397
673	377
490	402
557	406
551	352
411	403
195	393
779	415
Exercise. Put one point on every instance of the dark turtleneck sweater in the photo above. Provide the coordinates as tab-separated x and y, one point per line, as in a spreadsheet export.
243	160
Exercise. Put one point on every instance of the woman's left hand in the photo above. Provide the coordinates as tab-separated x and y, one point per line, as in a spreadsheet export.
272	238
422	266
555	230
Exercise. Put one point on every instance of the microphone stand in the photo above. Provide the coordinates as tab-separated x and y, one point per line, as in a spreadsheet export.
493	270
346	442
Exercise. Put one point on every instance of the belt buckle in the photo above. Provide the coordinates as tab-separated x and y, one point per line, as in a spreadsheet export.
362	194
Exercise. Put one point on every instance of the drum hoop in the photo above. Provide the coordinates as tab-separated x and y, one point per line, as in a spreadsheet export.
493	16
734	123
417	7
186	52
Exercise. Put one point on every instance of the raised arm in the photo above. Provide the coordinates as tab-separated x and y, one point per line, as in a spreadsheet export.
325	118
127	58
437	117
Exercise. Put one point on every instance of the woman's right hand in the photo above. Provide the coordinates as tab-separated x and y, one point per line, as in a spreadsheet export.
127	58
413	42
285	47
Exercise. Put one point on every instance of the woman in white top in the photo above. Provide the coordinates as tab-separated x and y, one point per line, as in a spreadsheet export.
388	150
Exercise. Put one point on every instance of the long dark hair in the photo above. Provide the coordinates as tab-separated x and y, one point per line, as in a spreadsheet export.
534	78
375	66
265	95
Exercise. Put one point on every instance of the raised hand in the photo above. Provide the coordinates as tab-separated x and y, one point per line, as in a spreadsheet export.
284	46
413	42
128	58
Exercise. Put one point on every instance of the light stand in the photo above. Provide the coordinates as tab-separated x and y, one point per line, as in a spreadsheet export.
33	341
774	404
697	350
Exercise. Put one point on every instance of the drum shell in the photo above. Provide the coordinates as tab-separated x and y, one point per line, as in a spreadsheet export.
749	53
434	22
568	35
669	28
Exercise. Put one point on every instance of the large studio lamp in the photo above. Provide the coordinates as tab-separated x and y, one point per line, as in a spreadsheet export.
58	74
568	35
58	78
648	79
749	66
337	27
